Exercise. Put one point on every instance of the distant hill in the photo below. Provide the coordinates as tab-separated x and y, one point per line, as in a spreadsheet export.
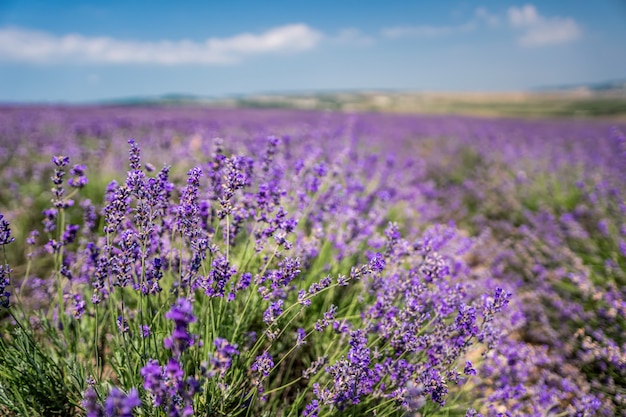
612	86
605	99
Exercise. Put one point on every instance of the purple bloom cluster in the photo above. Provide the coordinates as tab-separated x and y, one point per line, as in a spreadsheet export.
5	270
222	360
5	232
352	376
261	368
5	274
168	387
116	404
182	315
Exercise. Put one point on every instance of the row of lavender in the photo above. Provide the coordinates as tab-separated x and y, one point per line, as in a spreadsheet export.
310	263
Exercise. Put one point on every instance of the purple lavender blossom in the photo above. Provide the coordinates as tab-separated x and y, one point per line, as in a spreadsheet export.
154	382
5	232
188	208
221	272
377	263
5	270
222	360
78	180
324	322
469	369
70	233
300	337
168	387
31	240
117	403
58	191
79	306
272	313
122	324
263	364
182	315
90	402
262	367
5	273
145	331
49	221
60	161
312	409
134	155
352	377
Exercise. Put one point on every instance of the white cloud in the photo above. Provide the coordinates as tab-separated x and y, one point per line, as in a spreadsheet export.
352	36
539	30
523	16
483	14
481	17
17	44
425	31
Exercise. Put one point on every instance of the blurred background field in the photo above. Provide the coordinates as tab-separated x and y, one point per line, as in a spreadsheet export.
581	102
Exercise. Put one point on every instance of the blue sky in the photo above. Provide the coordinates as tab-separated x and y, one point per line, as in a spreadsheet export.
85	51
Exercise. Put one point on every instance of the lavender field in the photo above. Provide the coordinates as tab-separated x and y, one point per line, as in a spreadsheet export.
189	261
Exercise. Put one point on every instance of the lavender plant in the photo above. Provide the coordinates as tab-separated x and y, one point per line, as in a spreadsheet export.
294	268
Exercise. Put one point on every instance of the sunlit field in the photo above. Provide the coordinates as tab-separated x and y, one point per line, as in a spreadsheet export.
188	261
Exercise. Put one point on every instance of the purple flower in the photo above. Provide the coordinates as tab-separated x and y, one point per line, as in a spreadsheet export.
122	324
60	161
312	409
273	312
244	281
5	273
79	305
300	337
145	331
116	209
352	377
32	238
221	272
78	180
49	221
181	314
153	382
303	298
134	155
168	387
188	209
261	368
70	233
359	353
90	402
319	286
377	263
223	357
119	404
5	232
495	304
465	321
263	365
469	369
329	316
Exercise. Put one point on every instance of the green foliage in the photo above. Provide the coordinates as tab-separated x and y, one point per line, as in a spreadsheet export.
34	380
